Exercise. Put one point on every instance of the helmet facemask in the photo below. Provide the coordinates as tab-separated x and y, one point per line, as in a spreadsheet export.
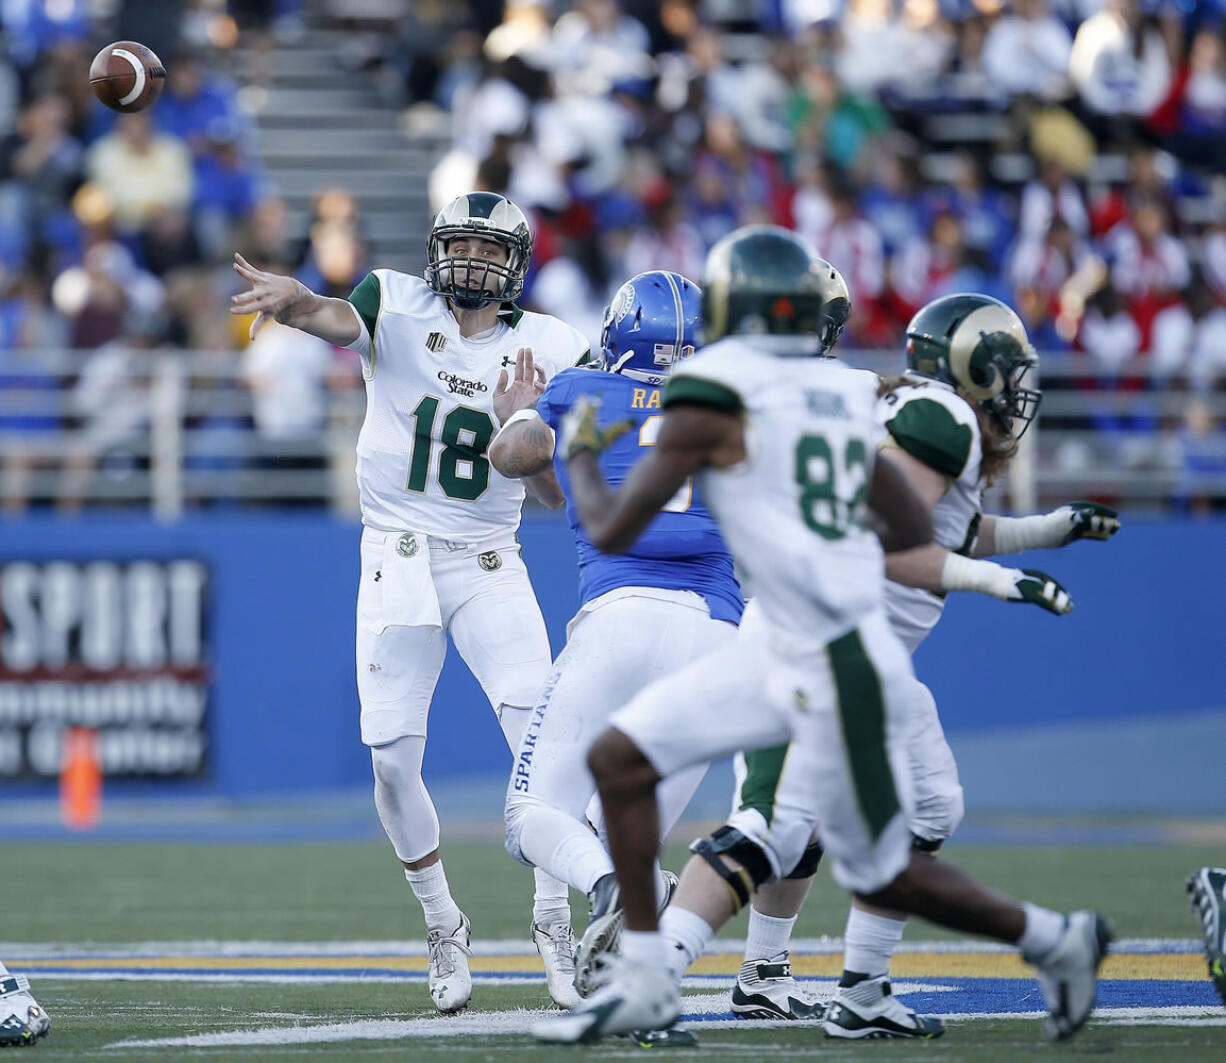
990	366
480	216
444	268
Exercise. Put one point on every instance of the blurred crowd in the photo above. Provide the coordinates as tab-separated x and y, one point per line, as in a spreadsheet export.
116	236
1065	155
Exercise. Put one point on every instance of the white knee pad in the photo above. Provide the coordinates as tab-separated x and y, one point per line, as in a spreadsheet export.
401	798
515	812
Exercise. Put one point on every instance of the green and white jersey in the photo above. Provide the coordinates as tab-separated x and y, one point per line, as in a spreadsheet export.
793	512
935	425
429	408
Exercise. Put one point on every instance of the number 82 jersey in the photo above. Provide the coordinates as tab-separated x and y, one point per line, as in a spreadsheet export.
793	511
422	462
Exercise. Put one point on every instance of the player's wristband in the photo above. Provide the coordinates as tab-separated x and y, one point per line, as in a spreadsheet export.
529	413
1015	534
986	577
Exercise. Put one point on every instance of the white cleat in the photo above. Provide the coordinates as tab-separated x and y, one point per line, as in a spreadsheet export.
451	986
870	1010
766	990
635	998
1068	973
22	1021
556	944
604	928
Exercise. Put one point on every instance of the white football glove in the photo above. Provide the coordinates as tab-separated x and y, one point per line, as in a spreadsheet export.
1031	585
1089	520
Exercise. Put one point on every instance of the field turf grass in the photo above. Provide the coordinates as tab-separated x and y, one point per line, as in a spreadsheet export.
90	905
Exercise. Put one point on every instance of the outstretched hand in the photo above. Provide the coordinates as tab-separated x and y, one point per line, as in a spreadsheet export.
270	295
1089	520
520	392
1038	588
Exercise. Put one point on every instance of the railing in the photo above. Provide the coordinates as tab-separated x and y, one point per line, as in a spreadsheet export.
172	431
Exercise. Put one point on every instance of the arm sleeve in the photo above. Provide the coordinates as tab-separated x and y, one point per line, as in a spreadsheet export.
365	300
930	433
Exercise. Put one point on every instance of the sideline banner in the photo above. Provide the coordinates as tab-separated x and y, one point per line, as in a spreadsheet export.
119	646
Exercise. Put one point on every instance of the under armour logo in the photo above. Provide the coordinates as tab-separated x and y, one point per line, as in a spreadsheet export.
507	360
378	575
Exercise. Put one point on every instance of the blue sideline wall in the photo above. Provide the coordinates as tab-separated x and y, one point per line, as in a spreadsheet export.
1120	705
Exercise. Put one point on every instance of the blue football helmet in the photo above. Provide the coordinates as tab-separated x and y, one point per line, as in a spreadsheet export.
651	325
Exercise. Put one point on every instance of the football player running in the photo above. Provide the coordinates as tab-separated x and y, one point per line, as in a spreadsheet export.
952	423
784	445
22	1020
439	555
645	613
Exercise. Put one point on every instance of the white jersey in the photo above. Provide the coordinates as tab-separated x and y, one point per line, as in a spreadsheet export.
792	512
936	426
429	408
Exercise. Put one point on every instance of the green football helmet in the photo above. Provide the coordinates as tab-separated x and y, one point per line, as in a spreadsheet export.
978	344
763	280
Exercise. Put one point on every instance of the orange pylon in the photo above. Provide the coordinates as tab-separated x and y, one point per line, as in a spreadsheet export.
80	779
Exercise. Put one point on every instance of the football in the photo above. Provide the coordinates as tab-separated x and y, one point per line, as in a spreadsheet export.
127	76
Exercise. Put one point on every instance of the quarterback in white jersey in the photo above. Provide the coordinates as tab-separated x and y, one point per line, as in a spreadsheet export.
785	448
446	360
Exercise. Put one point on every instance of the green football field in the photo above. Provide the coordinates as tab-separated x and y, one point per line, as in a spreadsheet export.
144	951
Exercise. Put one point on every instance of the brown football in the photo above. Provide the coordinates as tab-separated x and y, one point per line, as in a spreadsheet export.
127	76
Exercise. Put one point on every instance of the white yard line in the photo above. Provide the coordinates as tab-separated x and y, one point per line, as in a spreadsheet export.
487	1024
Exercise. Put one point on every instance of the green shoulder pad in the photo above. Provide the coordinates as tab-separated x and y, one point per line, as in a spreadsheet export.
365	299
930	433
701	391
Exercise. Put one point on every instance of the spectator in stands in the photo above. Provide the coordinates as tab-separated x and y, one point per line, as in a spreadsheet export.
1109	335
36	27
666	242
1151	265
140	170
880	49
1052	195
1189	337
268	237
748	179
288	373
197	103
923	268
168	243
43	162
1043	264
228	187
594	44
335	256
1202	450
849	239
985	213
110	398
1195	126
892	201
1121	68
1027	51
96	297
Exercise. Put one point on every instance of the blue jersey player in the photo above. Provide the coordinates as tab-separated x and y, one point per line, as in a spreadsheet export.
671	598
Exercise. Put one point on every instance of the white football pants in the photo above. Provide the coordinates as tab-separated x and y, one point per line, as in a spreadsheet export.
618	644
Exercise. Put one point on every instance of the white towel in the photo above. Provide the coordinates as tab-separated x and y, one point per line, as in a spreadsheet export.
409	597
